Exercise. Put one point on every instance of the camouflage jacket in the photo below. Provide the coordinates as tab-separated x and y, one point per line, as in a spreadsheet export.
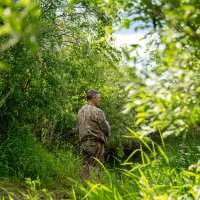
92	124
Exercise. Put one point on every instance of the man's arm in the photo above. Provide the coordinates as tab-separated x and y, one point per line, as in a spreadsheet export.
104	125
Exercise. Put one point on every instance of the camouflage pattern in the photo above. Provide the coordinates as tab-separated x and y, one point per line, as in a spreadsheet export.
92	124
94	131
92	149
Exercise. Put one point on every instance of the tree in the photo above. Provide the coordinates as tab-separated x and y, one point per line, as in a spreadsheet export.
45	86
165	92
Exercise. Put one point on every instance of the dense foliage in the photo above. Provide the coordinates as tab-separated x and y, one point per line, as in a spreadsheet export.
42	88
165	90
51	52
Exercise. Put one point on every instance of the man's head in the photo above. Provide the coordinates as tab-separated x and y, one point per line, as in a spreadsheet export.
93	97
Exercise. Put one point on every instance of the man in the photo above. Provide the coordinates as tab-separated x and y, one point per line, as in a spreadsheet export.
94	132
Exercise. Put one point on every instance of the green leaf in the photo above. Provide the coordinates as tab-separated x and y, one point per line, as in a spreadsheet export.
163	154
4	67
139	121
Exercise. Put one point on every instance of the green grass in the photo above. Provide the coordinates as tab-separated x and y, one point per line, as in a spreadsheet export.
166	171
24	157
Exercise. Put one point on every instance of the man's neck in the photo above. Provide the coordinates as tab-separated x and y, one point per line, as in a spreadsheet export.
91	103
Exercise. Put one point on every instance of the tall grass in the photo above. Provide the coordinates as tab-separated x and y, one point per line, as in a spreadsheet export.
24	157
166	171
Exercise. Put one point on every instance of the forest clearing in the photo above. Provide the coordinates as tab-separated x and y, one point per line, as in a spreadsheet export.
52	52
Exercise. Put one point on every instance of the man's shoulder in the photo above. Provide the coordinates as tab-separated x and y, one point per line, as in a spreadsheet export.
100	112
97	110
88	107
82	109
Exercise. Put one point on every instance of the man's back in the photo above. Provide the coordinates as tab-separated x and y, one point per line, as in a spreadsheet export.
94	131
92	124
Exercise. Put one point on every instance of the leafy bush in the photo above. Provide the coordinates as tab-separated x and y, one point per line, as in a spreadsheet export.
27	158
43	89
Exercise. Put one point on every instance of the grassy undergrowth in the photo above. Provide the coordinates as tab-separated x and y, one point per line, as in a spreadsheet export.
22	156
166	171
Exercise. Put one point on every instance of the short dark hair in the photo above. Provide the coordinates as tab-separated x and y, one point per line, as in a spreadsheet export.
91	93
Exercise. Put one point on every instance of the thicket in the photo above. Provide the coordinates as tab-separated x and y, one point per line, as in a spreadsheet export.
52	52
